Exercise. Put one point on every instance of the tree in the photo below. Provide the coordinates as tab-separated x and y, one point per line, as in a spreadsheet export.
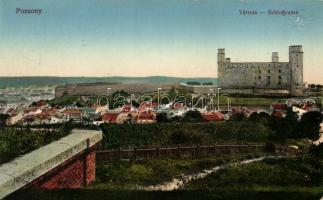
3	119
309	126
316	151
237	117
261	117
193	116
162	117
172	93
312	86
193	83
285	127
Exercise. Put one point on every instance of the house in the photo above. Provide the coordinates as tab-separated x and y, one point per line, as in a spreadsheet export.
128	108
110	117
73	114
213	116
278	106
146	117
127	117
145	105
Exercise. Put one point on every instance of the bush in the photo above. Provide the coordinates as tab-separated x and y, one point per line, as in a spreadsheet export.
166	134
270	147
309	126
316	151
19	141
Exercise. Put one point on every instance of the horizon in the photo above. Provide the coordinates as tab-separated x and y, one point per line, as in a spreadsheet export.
143	38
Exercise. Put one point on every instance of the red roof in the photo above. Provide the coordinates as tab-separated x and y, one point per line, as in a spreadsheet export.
147	115
110	117
146	104
213	116
73	111
279	106
126	108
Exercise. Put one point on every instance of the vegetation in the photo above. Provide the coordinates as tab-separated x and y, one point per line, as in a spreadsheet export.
3	119
315	88
137	174
82	194
63	101
308	126
18	141
165	134
41	81
190	129
298	175
193	83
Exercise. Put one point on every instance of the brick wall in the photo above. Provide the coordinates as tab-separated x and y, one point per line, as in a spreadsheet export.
75	172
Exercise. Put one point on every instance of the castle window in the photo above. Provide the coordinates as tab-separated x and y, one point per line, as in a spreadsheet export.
279	82
268	82
279	77
259	77
259	71
268	71
279	71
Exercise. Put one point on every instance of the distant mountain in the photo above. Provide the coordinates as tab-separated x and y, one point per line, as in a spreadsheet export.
39	81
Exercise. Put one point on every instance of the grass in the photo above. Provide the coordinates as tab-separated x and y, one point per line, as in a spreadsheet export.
269	179
82	194
134	175
299	175
252	101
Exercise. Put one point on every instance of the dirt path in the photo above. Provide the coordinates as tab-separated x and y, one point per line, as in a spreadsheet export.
180	182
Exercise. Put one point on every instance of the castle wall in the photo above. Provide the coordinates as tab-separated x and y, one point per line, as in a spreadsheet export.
96	89
254	75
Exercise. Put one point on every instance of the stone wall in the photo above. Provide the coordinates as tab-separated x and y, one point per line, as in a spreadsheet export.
96	89
74	173
66	163
198	89
254	75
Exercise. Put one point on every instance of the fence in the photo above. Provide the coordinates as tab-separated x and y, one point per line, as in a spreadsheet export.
175	152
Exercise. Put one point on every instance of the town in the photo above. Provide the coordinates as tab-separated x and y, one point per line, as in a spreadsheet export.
127	108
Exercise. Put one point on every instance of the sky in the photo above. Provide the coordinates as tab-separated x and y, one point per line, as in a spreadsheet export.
153	37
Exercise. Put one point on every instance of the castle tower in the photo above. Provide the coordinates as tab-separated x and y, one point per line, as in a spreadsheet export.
274	57
221	56
296	67
221	61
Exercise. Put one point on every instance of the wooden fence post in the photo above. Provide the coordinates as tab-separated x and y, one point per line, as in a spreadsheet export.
178	151
197	150
135	153
157	152
119	153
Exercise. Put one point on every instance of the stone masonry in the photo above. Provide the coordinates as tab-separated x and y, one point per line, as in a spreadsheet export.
264	77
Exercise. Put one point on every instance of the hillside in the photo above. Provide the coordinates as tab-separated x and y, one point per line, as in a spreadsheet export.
52	81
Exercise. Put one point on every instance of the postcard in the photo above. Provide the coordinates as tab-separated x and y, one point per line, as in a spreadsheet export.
161	99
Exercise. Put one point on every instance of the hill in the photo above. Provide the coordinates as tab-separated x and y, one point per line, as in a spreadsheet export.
53	81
